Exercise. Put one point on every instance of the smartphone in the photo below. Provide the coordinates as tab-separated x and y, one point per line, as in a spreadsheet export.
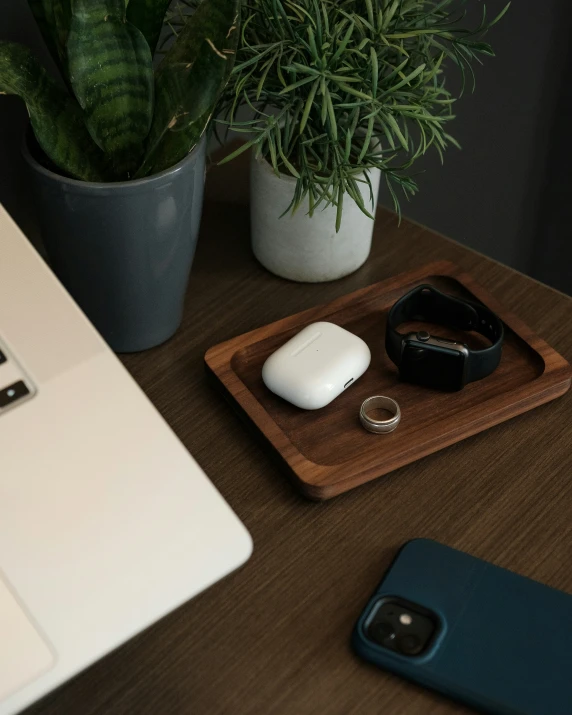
475	632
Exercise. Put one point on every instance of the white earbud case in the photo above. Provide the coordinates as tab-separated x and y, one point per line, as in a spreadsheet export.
316	365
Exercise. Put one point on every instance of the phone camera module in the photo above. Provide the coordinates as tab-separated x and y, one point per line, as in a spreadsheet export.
404	627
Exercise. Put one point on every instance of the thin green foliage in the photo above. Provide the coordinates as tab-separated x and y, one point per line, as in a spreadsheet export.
339	87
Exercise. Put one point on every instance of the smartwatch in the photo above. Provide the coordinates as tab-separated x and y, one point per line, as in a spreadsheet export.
437	362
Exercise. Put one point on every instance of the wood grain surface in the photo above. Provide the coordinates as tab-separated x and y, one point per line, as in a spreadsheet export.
273	638
327	452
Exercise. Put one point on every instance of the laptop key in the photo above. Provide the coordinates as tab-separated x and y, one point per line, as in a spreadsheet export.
12	393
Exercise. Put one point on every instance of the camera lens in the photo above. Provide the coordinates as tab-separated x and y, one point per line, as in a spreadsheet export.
380	632
410	645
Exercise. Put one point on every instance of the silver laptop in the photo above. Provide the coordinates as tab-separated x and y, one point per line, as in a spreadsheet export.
106	521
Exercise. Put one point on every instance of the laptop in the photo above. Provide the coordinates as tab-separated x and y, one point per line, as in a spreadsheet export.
106	522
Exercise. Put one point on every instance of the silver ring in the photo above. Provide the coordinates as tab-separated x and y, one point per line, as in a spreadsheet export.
379	426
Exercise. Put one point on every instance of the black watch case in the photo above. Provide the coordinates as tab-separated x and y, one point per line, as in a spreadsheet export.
432	361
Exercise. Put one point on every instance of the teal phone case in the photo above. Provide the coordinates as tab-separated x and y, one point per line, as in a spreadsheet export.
503	643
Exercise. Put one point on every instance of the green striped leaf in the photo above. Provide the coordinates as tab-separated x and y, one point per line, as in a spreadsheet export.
148	16
42	21
55	117
53	17
111	73
185	97
59	15
189	82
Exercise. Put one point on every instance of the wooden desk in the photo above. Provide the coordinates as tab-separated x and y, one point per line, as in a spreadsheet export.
273	638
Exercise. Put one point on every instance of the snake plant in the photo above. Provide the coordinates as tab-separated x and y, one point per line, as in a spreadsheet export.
114	118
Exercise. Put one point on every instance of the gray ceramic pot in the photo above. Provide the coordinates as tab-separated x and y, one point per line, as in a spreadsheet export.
124	250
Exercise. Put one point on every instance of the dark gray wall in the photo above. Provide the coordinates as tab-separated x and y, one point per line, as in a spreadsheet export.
491	195
552	253
487	195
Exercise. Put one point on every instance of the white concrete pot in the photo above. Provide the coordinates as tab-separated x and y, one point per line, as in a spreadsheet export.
301	248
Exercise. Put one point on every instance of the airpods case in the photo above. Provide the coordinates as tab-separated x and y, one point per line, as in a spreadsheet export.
316	365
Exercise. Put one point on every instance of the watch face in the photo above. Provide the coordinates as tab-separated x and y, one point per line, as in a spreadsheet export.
433	366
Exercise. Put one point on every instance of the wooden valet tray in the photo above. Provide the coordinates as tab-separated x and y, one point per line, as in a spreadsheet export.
327	452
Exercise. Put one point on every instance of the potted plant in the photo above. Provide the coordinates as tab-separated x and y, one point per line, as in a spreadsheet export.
117	152
341	92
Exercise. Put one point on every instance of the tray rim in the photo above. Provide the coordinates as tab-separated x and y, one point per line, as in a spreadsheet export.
330	480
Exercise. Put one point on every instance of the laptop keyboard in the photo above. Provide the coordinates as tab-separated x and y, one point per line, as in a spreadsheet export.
15	386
